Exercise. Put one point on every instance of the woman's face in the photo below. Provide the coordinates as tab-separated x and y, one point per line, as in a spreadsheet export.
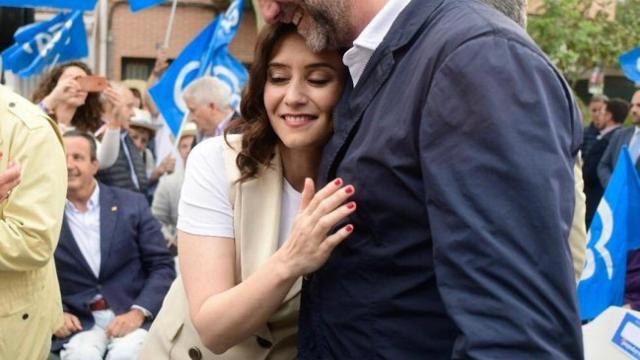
80	96
301	91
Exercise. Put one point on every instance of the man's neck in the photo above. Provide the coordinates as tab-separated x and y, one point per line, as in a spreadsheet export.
363	12
80	198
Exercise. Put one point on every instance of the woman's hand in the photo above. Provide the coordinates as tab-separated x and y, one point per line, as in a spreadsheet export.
310	243
65	89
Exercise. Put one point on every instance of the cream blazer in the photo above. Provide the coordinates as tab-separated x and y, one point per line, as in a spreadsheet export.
256	207
30	222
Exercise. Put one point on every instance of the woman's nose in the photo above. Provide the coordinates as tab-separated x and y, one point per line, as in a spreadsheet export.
295	95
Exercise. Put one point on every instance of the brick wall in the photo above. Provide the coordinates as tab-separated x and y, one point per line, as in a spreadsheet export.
136	35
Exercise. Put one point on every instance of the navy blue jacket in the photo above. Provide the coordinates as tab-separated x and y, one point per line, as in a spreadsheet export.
135	266
460	139
593	188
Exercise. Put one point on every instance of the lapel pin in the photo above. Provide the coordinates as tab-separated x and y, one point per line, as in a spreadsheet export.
114	209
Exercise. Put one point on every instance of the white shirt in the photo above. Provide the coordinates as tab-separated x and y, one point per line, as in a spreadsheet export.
357	57
85	227
205	208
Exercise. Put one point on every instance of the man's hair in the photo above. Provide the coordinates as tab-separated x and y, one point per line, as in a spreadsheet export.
516	10
87	136
208	89
618	108
599	98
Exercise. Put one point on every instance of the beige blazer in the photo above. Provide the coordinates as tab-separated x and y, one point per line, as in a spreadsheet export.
256	204
578	232
30	221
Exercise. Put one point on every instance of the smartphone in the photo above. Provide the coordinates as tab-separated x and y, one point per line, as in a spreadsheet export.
93	83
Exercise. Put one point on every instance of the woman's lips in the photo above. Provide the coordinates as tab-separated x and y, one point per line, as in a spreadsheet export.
298	120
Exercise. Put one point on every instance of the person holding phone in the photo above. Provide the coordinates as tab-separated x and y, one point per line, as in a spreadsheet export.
62	97
76	99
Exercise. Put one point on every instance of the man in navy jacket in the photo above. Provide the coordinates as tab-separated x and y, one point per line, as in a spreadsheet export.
113	265
460	137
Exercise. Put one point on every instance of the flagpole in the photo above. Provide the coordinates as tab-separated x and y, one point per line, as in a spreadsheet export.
167	36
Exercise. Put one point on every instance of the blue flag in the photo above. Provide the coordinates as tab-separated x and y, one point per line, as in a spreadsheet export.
615	230
207	54
63	4
39	45
630	64
137	5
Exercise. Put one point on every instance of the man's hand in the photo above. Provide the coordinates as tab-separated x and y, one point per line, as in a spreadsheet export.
277	10
71	325
9	179
125	323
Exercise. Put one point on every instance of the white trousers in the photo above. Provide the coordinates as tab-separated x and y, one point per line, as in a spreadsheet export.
92	344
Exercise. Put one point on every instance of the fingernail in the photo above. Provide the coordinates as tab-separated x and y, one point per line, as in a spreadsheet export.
338	182
349	228
351	205
349	189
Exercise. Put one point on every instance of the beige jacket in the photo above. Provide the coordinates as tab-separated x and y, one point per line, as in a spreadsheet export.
256	206
30	221
578	233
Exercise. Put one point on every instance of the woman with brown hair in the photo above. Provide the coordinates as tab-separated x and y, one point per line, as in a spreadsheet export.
251	224
61	97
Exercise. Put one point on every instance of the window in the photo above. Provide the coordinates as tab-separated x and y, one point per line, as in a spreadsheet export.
137	68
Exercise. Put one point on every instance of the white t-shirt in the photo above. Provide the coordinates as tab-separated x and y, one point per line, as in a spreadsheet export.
204	207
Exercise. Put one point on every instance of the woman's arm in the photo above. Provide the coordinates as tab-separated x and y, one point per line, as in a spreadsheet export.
223	313
109	148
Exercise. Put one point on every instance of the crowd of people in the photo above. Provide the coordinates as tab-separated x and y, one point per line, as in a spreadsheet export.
395	185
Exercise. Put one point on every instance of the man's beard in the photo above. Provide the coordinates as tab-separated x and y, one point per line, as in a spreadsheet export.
327	25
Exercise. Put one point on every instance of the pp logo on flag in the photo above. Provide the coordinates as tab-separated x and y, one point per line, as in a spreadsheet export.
606	216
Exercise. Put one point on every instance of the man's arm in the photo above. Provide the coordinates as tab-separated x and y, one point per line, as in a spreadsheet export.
156	260
9	179
161	209
498	138
32	216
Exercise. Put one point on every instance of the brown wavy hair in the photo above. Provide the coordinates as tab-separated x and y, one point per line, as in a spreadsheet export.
88	116
258	138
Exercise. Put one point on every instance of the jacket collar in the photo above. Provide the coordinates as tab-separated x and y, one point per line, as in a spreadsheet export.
411	21
108	221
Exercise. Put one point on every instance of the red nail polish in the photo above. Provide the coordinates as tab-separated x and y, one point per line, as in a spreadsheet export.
349	189
349	228
338	182
351	205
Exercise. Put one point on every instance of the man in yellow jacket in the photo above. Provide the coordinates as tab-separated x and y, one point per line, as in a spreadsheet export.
31	212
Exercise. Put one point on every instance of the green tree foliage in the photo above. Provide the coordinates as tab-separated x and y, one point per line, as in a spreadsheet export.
578	40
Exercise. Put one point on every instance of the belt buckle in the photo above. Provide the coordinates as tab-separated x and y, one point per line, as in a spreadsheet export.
100	304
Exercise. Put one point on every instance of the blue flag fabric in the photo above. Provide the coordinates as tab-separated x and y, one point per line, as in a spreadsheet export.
87	5
38	45
207	54
615	230
137	5
630	64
